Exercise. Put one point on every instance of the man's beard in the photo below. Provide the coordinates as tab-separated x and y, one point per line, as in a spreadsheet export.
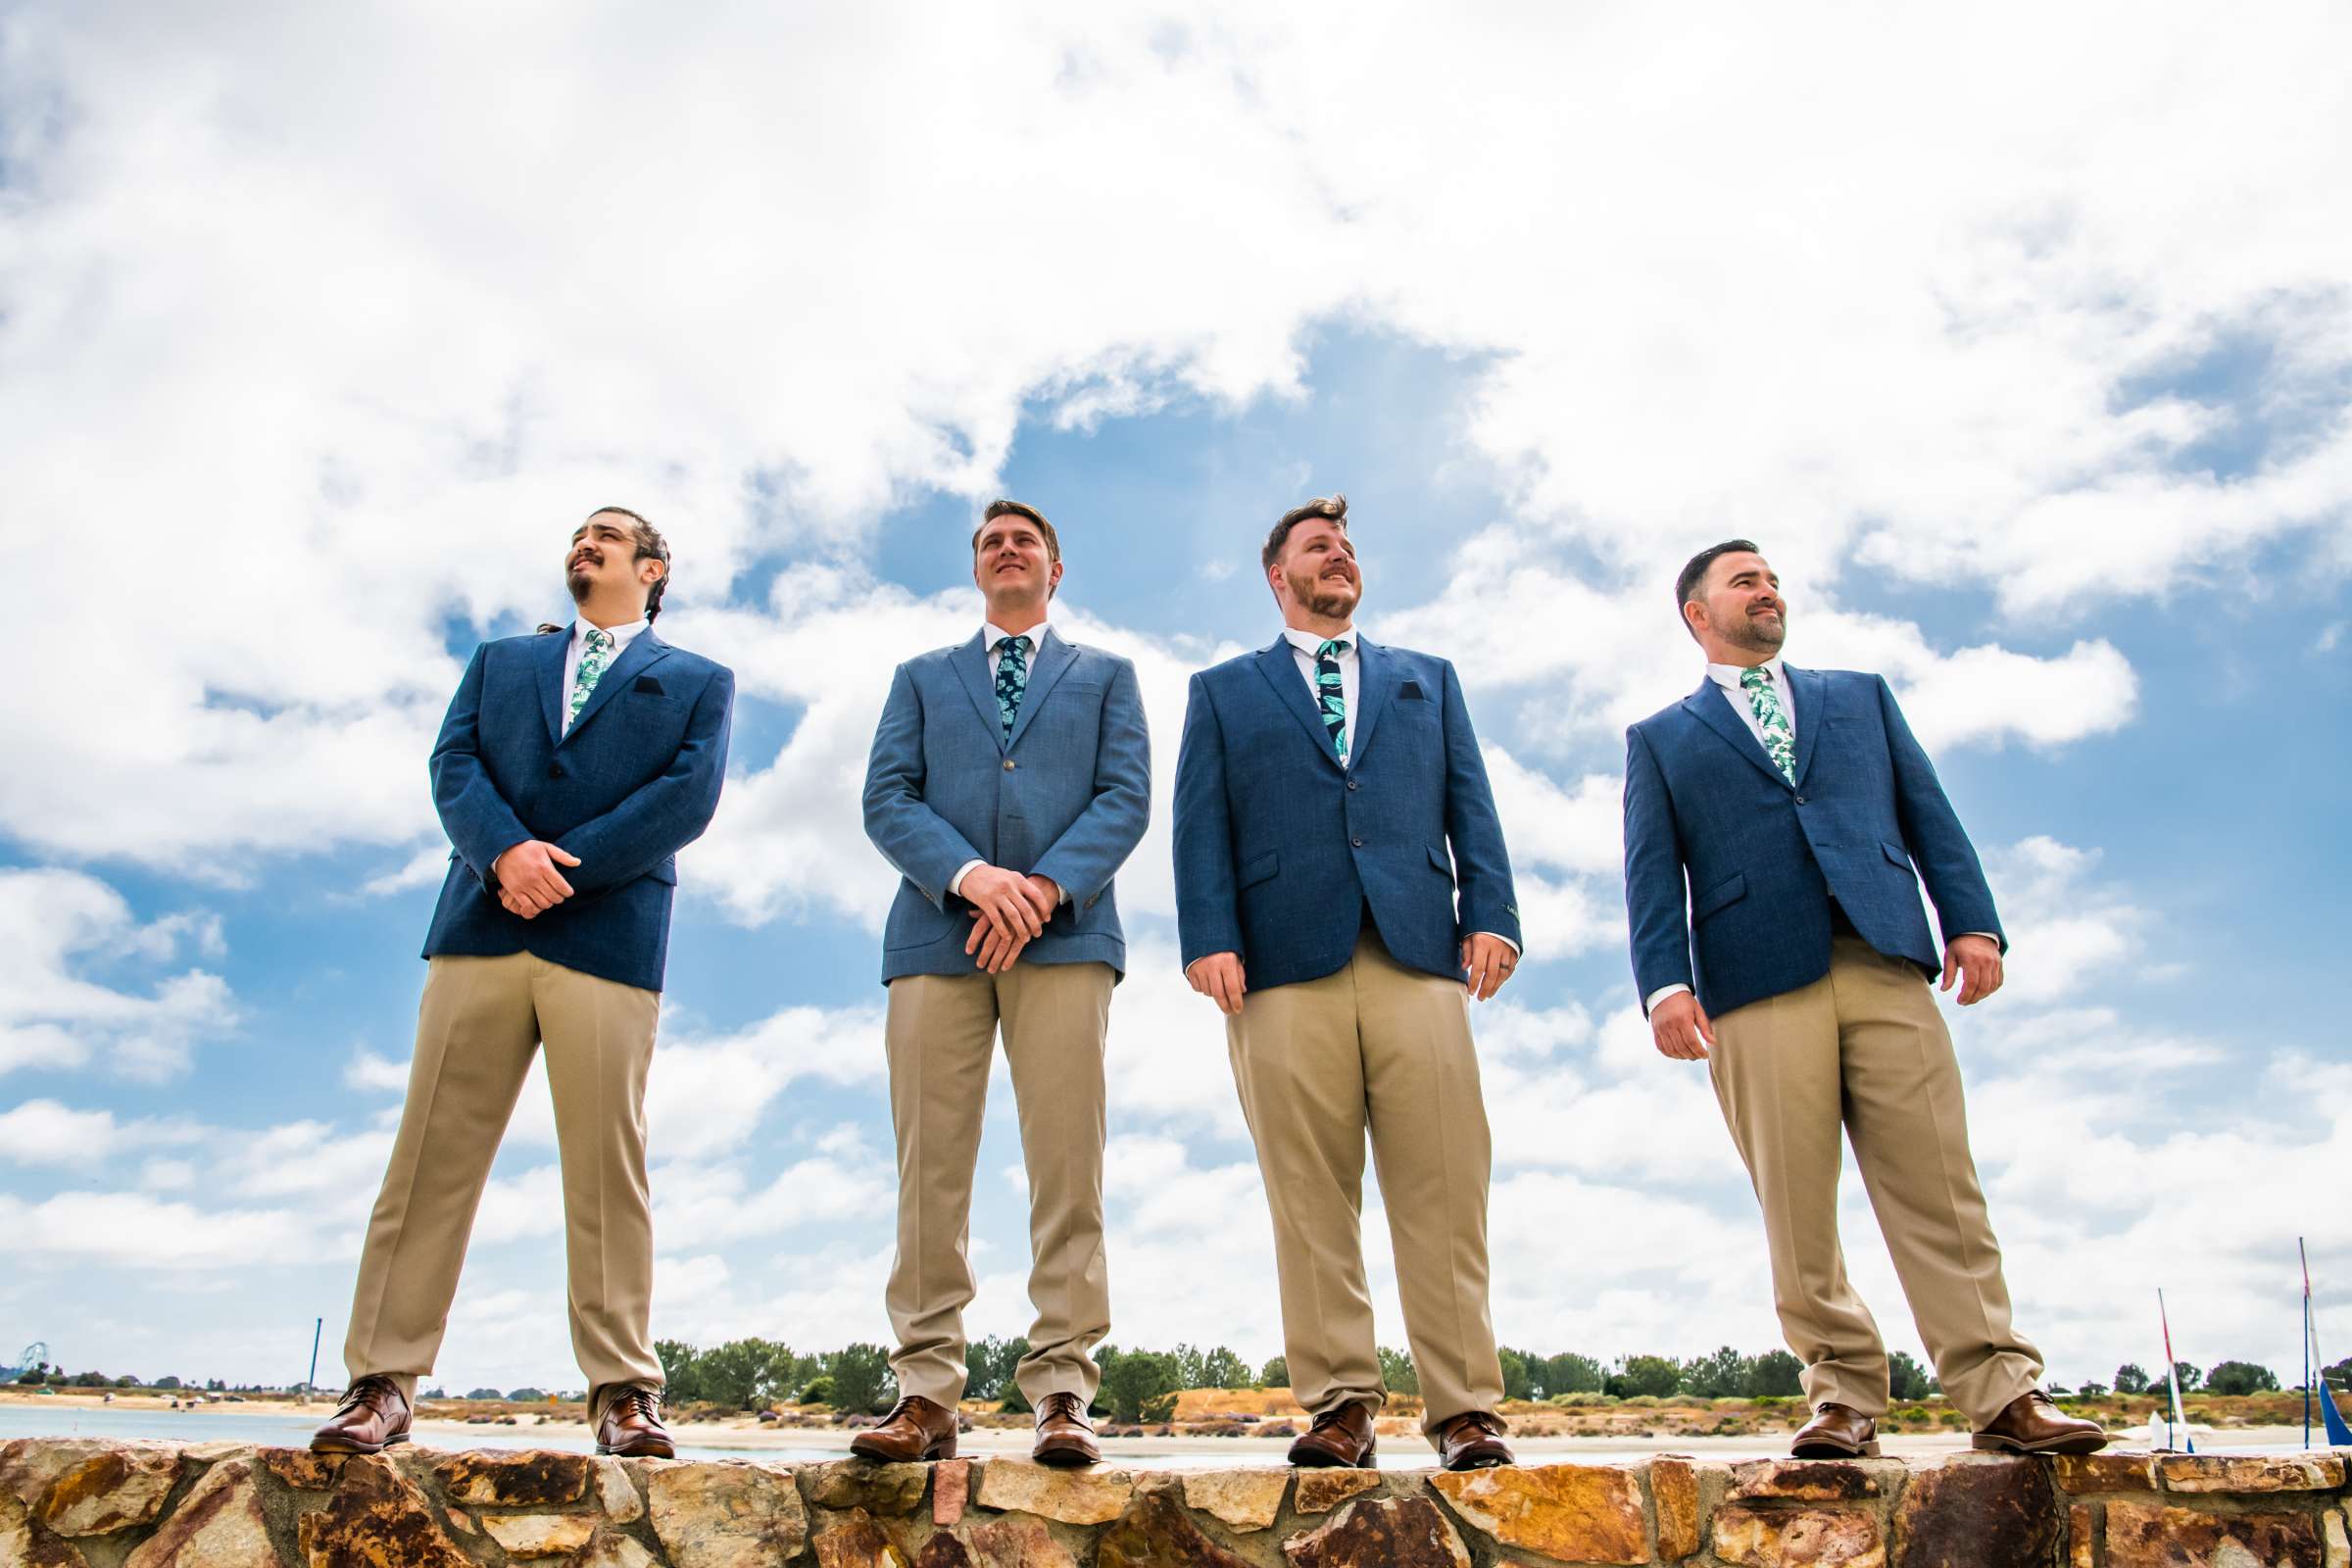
1758	637
1328	600
580	584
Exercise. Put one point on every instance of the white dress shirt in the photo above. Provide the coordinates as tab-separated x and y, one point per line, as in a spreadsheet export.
1726	679
993	639
621	637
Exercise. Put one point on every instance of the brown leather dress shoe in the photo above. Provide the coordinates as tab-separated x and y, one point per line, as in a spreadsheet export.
2031	1423
1340	1436
632	1427
1836	1433
916	1428
1064	1435
371	1419
1472	1440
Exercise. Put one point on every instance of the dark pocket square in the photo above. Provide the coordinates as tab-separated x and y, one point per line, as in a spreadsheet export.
650	686
1410	692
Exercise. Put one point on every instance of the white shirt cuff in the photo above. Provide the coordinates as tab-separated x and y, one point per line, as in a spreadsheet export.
1649	1004
956	882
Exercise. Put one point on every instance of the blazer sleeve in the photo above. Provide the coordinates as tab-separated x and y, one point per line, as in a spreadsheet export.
923	844
1207	905
1654	907
1482	865
1932	831
477	818
1090	849
665	813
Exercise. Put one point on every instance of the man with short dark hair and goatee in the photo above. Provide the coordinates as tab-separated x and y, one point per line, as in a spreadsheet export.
1010	779
1778	825
572	767
1341	889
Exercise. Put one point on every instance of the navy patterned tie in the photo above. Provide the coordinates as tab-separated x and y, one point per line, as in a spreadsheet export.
1331	694
1012	678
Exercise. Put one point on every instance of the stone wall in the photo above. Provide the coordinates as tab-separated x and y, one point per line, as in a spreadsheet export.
75	1503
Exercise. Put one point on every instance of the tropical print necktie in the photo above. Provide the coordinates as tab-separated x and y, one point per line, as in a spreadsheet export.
1012	679
598	654
1331	696
1780	741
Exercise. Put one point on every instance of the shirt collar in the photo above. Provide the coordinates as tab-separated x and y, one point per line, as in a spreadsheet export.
1307	643
622	635
1728	676
992	634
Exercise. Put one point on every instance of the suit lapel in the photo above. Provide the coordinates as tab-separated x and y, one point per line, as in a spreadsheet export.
645	649
552	649
1707	706
970	663
1808	690
1055	657
1280	665
1375	685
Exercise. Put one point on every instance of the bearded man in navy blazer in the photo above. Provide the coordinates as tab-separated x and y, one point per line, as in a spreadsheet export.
1011	778
572	769
1799	815
1341	888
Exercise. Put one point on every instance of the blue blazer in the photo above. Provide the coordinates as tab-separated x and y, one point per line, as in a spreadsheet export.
633	781
1704	806
1067	796
1279	849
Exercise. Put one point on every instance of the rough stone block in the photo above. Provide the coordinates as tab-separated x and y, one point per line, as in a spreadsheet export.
856	1541
377	1515
726	1512
539	1535
950	1490
1244	1500
1321	1491
612	1550
1156	1533
302	1469
1674	1487
1008	1544
615	1493
219	1524
89	1486
1380	1533
2082	1536
2251	1472
1803	1480
1572	1512
2155	1535
1800	1537
25	1543
2105	1472
1072	1497
2333	1535
536	1478
889	1489
1976	1509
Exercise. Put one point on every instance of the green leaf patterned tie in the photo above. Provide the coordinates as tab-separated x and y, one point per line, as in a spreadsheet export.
1780	741
1331	694
592	660
1012	679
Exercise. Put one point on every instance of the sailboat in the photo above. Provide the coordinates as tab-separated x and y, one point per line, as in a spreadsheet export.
2339	1433
2173	1438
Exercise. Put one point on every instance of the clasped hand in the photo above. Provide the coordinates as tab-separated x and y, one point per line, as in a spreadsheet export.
1009	911
529	883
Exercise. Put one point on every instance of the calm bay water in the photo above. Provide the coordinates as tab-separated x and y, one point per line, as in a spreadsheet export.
294	1431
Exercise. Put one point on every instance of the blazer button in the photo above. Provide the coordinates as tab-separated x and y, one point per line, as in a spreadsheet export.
1009	764
1352	783
555	771
1359	843
1800	799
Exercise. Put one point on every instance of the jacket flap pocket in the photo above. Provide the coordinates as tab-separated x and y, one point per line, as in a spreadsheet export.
1895	853
666	871
1722	893
1437	859
1255	871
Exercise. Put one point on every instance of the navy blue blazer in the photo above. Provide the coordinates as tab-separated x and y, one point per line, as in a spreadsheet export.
1762	859
1279	849
634	780
1066	796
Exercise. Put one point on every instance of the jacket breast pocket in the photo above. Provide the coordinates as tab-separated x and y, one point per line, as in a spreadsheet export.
1730	890
1252	871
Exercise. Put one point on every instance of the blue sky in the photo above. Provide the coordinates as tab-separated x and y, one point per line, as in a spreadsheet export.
2059	447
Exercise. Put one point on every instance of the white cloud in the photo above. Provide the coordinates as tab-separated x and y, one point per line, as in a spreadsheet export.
56	925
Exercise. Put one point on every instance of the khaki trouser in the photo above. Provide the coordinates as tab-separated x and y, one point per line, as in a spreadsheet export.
940	1036
1380	1044
1864	1047
476	1028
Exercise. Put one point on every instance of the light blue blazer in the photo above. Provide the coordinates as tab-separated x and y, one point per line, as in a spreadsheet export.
1066	796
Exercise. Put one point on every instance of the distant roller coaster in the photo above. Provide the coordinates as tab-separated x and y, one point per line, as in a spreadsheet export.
35	1356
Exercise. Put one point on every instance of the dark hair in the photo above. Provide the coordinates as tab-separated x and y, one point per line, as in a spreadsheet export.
1694	573
1333	508
650	544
